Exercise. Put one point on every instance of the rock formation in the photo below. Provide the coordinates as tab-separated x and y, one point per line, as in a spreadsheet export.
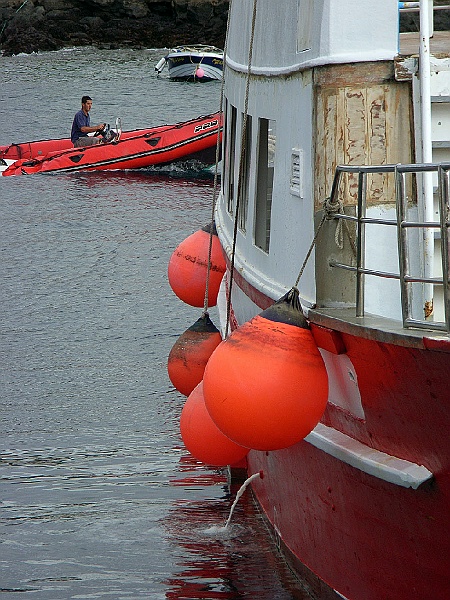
34	25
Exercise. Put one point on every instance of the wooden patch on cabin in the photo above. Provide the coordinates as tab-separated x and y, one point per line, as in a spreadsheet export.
360	122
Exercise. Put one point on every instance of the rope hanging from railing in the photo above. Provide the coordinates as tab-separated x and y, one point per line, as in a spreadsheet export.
216	170
332	209
241	164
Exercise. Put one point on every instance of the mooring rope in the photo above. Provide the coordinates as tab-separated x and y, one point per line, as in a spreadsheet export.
216	169
241	164
330	209
5	23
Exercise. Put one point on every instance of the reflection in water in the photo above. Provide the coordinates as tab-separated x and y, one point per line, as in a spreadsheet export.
237	562
95	502
184	173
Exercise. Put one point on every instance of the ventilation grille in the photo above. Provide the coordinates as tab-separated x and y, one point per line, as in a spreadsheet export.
296	183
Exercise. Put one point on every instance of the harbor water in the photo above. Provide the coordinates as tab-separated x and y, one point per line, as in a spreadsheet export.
99	499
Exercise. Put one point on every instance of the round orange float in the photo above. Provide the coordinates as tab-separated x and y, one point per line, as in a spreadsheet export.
190	353
266	385
202	437
188	267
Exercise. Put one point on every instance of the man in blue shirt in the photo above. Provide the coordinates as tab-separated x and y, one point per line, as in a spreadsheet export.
81	126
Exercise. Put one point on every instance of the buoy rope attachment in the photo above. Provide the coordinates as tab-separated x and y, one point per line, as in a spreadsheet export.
241	163
331	210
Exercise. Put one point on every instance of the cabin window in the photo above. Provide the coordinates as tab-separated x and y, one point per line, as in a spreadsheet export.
225	146
304	25
230	157
264	182
245	175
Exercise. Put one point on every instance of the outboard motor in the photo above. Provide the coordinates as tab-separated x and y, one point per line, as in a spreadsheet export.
161	64
108	134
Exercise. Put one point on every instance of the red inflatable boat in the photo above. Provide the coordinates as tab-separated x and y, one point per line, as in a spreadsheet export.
194	139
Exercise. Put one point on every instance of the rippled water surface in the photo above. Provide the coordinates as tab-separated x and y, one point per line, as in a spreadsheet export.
99	498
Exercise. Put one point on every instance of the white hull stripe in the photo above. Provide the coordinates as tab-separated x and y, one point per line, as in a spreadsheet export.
308	64
373	462
189	71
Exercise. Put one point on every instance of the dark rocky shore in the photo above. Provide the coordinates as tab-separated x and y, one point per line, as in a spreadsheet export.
34	25
38	25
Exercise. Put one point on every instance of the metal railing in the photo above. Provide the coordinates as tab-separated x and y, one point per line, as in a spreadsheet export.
403	225
415	6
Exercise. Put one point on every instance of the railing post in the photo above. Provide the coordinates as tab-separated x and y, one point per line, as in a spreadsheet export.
431	17
444	209
360	244
403	258
426	204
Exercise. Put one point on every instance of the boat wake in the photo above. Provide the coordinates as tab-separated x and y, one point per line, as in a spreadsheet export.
223	532
188	168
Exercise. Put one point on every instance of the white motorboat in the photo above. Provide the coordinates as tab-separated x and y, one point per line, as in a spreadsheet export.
193	63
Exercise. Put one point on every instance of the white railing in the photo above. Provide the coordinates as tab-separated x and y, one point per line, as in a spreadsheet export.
416	6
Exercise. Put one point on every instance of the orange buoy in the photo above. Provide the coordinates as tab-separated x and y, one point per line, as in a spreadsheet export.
202	437
266	385
190	353
188	266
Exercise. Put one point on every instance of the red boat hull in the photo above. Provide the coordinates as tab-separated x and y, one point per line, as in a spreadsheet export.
36	149
135	149
347	531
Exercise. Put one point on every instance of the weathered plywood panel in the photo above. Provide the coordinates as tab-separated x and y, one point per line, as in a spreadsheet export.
329	139
360	122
